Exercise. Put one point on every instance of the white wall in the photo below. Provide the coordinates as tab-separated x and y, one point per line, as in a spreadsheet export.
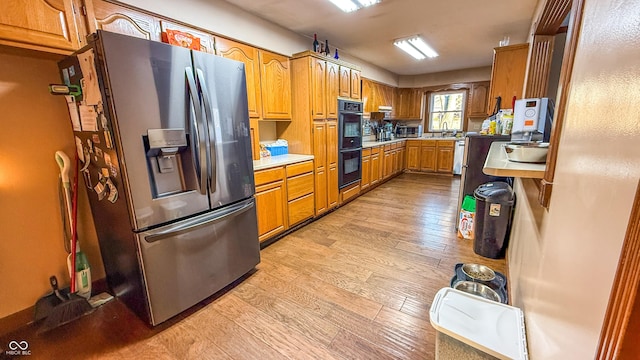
228	20
562	262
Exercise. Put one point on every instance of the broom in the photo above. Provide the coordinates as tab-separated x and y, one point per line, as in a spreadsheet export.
74	306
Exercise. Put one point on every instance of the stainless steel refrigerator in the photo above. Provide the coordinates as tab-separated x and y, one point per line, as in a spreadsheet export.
162	133
476	148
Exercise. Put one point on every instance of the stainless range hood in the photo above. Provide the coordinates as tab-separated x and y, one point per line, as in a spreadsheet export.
383	113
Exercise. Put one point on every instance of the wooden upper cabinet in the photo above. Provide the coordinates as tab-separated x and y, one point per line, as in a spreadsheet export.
367	98
407	103
46	25
275	79
102	15
333	89
318	89
206	40
478	99
507	74
355	85
249	56
345	81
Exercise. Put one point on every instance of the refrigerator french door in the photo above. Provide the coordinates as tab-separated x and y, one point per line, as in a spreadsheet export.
163	137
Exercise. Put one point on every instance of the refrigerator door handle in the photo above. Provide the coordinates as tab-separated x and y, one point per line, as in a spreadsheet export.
194	224
211	126
199	145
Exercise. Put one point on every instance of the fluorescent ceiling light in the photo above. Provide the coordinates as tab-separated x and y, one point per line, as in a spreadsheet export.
416	47
353	5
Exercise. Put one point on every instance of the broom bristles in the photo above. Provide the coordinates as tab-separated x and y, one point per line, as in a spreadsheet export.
66	312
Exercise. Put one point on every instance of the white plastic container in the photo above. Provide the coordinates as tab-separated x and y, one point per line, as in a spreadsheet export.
470	327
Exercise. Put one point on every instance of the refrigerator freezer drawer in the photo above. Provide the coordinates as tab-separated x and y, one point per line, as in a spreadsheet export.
186	262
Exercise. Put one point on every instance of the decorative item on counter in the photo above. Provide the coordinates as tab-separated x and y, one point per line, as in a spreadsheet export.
335	56
316	45
507	124
327	52
264	153
280	147
180	38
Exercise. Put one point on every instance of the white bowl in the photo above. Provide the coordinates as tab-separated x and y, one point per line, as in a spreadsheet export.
527	152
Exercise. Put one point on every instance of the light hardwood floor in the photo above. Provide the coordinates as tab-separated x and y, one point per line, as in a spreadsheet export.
355	284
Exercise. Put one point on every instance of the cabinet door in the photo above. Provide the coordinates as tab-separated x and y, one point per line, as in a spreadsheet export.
396	164
428	158
320	163
270	207
478	99
375	169
318	89
332	142
367	95
402	162
332	163
355	85
254	130
345	81
366	172
333	90
300	209
40	25
275	81
445	160
249	56
413	157
388	164
332	186
102	15
206	40
507	74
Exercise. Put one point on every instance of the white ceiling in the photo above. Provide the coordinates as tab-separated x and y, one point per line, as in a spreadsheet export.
463	32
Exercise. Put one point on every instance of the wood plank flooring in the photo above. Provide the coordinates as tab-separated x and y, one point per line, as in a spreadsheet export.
355	284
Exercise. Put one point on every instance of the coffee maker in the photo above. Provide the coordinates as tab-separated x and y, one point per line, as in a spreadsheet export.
532	120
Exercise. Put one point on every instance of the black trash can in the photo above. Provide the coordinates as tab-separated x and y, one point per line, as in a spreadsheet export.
494	201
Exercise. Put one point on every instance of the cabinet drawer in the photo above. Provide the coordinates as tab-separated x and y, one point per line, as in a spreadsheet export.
350	193
299	168
301	209
299	185
387	147
446	143
375	150
394	146
429	143
268	175
366	152
414	142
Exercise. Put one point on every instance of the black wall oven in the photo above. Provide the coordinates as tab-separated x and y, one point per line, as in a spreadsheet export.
349	142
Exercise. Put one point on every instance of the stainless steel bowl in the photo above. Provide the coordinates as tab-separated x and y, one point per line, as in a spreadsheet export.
478	272
527	152
477	289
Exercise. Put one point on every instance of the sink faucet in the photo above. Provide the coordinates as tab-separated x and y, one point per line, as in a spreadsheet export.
445	128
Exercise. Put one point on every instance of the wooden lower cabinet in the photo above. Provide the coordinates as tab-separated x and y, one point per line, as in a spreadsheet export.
430	155
428	158
271	202
365	181
300	209
388	163
375	166
444	157
300	205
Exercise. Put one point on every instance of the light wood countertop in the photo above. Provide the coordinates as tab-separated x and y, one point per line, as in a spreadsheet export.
279	160
497	164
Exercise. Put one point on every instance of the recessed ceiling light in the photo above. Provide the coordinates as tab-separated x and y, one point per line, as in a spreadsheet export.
353	5
416	47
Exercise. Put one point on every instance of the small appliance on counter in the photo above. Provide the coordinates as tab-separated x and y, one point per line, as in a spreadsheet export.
532	120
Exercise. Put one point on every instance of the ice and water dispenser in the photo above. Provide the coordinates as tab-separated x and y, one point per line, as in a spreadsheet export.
166	154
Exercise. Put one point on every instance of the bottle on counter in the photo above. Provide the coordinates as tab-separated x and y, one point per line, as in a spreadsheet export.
335	56
327	52
316	44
